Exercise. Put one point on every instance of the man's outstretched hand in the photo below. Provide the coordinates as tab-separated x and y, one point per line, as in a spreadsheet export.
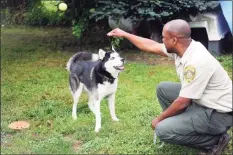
117	33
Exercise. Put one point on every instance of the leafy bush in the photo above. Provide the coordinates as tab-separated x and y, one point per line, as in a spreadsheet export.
5	16
39	13
151	10
115	41
226	61
36	15
78	28
13	16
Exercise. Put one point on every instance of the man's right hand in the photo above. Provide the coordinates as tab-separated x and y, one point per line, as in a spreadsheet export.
117	33
144	44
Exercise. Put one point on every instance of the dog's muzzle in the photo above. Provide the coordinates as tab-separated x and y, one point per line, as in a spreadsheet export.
119	67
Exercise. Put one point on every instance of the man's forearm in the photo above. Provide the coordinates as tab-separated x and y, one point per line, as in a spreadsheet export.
142	43
175	108
145	44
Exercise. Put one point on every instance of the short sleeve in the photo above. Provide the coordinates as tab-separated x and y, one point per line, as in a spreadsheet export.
171	55
195	80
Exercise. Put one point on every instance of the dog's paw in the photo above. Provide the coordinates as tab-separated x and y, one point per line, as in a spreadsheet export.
115	119
97	130
74	117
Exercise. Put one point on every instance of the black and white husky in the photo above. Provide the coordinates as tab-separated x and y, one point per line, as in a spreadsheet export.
98	75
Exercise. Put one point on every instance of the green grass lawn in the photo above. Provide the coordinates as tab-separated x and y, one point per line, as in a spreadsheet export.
34	87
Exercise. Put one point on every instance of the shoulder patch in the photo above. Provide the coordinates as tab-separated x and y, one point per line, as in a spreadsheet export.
189	73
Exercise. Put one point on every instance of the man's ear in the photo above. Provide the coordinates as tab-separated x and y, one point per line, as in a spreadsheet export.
174	40
101	54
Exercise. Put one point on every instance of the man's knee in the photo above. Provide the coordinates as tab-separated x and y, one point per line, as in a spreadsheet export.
161	87
161	130
165	133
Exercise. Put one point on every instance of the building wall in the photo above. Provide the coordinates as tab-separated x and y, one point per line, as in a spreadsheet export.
215	47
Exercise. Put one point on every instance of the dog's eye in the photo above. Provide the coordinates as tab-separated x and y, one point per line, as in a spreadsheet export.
112	58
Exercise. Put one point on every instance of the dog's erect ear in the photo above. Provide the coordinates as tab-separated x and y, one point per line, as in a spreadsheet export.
113	49
101	54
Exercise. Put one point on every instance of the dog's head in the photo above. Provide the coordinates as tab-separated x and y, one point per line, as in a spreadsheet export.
112	62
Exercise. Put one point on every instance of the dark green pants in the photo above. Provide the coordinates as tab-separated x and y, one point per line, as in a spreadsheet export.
196	127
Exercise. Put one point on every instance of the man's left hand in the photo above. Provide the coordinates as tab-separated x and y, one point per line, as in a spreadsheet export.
154	122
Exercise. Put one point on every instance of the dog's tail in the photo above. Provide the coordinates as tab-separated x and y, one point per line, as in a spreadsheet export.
81	56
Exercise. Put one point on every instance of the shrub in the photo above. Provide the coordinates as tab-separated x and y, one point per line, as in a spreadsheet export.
138	10
12	15
45	13
41	15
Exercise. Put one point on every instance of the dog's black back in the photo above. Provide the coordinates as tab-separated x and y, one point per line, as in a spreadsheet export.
90	73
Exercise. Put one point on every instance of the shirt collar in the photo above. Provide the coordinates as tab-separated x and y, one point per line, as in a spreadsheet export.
187	53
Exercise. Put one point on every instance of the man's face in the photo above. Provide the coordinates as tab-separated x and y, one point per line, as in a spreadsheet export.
168	41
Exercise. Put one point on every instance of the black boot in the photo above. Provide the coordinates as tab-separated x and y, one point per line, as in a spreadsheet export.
222	143
219	148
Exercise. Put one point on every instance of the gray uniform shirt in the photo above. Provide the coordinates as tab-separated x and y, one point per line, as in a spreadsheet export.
202	77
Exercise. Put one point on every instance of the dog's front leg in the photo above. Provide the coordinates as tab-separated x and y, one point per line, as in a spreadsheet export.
111	104
91	99
97	115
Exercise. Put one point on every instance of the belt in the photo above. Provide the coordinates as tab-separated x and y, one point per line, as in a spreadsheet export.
230	113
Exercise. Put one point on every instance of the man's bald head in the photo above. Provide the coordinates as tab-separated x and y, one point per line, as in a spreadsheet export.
178	28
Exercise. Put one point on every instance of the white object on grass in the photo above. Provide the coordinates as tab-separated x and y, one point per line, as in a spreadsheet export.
155	141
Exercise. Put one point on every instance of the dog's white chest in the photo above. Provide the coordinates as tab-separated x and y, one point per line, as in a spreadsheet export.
107	88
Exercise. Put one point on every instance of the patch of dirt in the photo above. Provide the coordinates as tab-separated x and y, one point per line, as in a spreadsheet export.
147	58
75	143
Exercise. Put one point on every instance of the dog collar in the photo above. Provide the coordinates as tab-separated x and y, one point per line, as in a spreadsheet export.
105	78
